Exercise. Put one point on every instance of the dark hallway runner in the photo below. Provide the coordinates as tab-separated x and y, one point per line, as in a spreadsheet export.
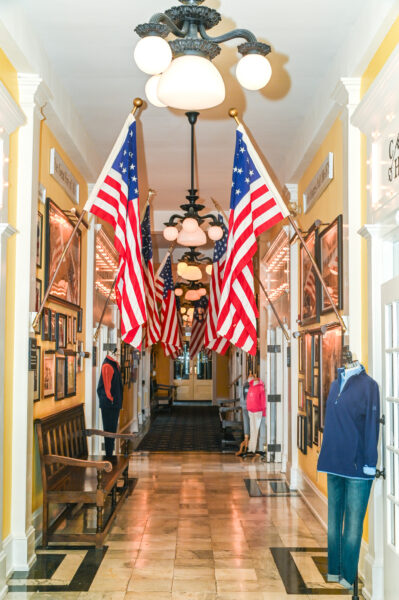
187	428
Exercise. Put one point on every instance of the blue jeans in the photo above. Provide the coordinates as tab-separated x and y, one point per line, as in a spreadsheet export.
347	505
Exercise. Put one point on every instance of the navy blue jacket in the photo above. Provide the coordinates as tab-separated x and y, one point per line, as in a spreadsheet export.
116	387
351	428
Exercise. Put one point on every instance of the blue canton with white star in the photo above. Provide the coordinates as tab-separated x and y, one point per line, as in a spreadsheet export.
126	163
221	245
244	172
146	236
166	275
202	303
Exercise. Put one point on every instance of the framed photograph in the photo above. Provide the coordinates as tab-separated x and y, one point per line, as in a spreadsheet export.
309	421
61	330
48	373
315	424
46	324
315	365
60	377
308	363
69	330
80	320
331	264
316	350
71	375
301	353
53	326
299	432
66	287
36	376
330	360
303	434
301	395
39	240
38	295
310	310
74	330
79	358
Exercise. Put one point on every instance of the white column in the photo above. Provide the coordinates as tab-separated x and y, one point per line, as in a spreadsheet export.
22	533
347	94
90	388
292	464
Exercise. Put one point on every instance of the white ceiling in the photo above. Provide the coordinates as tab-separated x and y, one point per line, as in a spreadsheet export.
90	44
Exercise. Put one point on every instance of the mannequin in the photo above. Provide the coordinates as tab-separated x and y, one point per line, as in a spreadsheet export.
256	406
349	457
110	393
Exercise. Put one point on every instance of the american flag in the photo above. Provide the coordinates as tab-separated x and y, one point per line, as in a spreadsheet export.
170	329
198	327
212	340
153	324
255	206
115	198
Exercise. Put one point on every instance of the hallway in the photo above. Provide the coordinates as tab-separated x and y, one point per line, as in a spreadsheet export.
194	529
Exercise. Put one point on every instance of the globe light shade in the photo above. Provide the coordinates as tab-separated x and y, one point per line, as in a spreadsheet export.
197	238
190	311
215	233
202	291
185	318
151	91
170	233
192	296
181	267
192	273
153	55
183	310
253	71
208	269
191	83
178	292
190	225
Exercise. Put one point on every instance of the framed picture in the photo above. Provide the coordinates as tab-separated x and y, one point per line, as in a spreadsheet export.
299	431
53	326
70	375
330	360
315	365
61	330
80	320
315	424
39	239
69	329
46	324
301	353
48	373
79	359
303	429
331	264
66	287
301	394
310	310
38	295
36	376
60	377
308	363
309	421
74	330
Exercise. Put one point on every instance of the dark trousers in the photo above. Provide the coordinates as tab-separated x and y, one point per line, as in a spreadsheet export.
110	423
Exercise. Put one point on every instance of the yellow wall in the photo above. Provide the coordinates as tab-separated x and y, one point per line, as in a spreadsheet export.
222	375
8	76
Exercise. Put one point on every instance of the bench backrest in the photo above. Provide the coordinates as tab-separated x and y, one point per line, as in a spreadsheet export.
62	433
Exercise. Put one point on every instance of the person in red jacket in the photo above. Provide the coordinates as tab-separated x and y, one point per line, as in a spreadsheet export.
110	394
256	406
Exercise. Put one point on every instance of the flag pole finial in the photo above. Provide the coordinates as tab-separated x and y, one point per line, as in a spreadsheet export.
233	113
137	103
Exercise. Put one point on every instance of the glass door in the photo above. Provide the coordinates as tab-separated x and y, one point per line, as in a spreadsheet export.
193	378
390	403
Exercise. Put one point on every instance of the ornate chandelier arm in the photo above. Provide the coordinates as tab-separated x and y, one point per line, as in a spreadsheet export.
230	35
162	18
174	219
161	25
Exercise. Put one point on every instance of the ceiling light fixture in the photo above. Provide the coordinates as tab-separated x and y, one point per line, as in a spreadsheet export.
190	81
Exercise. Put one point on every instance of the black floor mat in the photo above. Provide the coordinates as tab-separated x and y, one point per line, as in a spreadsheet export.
187	428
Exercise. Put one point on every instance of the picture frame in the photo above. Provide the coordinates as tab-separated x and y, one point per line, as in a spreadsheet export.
39	240
36	376
80	320
330	360
303	434
61	331
331	264
60	377
299	431
48	376
53	326
70	384
69	329
79	358
74	330
315	365
315	424
46	324
309	422
308	363
38	294
309	288
301	354
301	394
67	286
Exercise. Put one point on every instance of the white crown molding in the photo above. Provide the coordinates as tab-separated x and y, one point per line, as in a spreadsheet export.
347	91
293	191
11	116
6	230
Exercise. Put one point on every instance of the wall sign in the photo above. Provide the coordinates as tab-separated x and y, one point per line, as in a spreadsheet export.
32	362
393	153
63	176
319	183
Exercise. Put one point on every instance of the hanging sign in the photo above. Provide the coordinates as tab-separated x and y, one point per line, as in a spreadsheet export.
319	183
63	176
393	164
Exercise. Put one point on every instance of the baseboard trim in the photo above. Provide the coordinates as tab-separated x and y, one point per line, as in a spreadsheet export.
20	552
3	573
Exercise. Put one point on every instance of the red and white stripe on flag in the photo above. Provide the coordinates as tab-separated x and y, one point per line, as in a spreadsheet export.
197	337
153	329
212	340
170	327
115	198
255	206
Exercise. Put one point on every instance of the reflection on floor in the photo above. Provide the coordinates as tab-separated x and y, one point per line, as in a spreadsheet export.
192	530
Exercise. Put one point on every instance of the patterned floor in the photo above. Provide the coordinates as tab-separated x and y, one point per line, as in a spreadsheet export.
194	530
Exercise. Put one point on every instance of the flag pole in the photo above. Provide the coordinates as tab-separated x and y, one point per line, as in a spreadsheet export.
233	113
286	334
137	103
169	252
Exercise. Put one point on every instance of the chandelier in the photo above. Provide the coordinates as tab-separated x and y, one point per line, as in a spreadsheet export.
183	75
190	233
187	267
192	291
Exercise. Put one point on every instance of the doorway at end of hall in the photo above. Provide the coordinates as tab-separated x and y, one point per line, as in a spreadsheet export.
193	377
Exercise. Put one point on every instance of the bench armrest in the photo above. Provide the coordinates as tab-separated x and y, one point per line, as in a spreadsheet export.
109	434
51	459
163	386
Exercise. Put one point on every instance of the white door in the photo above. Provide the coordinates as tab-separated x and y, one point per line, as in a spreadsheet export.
390	404
274	389
193	378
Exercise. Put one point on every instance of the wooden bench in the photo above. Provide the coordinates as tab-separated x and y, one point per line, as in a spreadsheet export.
162	395
71	477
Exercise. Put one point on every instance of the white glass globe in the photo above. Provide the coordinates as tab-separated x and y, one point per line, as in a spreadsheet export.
190	225
170	233
202	291
181	267
208	269
183	310
178	292
151	91
152	54
192	295
197	238
192	273
215	233
253	71
191	83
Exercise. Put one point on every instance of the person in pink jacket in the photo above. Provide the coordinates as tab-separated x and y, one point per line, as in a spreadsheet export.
256	406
